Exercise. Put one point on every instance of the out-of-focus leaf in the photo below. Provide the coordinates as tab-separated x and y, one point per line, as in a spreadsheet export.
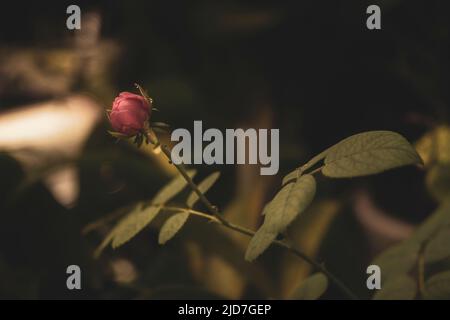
438	181
434	146
203	186
306	234
311	288
369	153
438	286
398	259
172	188
440	218
402	287
438	248
172	226
280	212
401	258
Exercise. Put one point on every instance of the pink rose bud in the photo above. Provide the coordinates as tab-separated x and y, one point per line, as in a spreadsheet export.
129	113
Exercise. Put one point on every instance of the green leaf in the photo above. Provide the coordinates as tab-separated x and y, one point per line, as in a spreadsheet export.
369	153
439	219
259	243
287	204
438	286
203	186
172	188
177	221
398	259
401	258
311	288
434	146
402	287
106	241
140	217
438	248
438	181
132	224
172	226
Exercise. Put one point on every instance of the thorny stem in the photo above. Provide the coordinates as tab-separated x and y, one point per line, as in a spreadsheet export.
218	218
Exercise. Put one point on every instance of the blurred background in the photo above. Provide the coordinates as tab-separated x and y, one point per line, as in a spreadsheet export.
310	68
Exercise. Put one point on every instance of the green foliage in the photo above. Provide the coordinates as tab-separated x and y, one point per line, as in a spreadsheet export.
369	153
172	189
359	155
439	219
177	221
203	186
141	216
402	287
438	181
132	224
311	288
438	286
280	212
172	226
438	248
398	260
433	235
434	146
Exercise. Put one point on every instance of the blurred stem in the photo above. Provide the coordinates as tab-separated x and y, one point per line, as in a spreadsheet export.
218	218
421	274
